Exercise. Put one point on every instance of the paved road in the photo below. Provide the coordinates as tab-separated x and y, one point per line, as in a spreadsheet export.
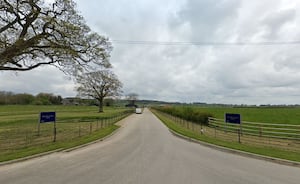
143	152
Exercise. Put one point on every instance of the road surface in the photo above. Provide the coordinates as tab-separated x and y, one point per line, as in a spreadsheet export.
143	151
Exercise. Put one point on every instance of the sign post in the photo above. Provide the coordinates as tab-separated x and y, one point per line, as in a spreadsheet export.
235	119
46	117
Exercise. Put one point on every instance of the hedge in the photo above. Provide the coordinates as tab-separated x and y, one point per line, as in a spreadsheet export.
186	113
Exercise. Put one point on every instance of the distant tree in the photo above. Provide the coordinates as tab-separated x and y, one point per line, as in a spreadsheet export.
109	102
22	99
10	98
34	33
47	99
5	97
98	85
132	98
42	99
55	100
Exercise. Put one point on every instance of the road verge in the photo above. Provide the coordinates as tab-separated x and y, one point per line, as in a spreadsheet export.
65	149
243	150
239	152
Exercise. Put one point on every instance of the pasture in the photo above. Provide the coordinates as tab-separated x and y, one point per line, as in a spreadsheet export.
268	131
75	125
280	115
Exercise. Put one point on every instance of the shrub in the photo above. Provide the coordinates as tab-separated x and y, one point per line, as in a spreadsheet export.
187	113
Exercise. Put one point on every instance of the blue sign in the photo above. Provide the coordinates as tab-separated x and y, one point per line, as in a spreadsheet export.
233	118
46	117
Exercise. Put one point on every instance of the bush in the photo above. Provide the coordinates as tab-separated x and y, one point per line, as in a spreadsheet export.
187	113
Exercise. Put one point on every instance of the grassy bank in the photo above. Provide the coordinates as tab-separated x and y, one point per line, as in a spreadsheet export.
50	146
267	151
76	125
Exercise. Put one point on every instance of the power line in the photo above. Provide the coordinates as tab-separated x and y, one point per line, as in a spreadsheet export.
175	43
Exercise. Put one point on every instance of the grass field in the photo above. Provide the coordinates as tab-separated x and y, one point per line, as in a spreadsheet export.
75	125
19	114
268	131
284	115
194	132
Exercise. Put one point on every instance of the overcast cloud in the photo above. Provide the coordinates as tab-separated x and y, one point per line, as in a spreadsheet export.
234	74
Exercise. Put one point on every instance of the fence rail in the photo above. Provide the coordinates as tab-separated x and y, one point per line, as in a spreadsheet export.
282	131
283	136
13	138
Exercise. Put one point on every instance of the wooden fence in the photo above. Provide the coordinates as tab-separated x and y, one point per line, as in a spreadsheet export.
283	136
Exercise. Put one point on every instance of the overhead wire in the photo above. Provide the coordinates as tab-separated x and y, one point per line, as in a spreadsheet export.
204	43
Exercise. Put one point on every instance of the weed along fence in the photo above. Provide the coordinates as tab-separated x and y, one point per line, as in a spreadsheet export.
283	136
14	138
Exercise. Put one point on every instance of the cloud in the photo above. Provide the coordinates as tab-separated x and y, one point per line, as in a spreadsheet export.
275	22
206	20
249	74
44	79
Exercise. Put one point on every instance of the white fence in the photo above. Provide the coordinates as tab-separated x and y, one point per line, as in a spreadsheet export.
283	136
269	130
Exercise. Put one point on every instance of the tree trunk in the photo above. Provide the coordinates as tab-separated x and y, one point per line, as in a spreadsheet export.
100	105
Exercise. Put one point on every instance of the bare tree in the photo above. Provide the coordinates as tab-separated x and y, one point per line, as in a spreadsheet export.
34	33
132	98
98	85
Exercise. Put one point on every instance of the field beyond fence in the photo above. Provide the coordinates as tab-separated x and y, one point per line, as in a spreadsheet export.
19	134
284	136
254	134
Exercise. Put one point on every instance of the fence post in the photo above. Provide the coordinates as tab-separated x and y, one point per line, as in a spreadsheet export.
241	128
54	131
239	135
26	138
79	130
91	127
39	127
215	131
260	131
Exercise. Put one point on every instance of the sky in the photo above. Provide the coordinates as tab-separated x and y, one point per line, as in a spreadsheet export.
194	55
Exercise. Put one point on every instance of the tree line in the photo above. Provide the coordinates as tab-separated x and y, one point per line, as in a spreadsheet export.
10	98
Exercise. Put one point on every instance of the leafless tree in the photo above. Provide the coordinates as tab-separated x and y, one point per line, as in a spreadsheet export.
132	98
98	85
35	33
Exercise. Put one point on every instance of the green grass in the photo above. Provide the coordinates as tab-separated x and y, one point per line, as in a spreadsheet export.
265	115
20	114
50	146
75	125
266	151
